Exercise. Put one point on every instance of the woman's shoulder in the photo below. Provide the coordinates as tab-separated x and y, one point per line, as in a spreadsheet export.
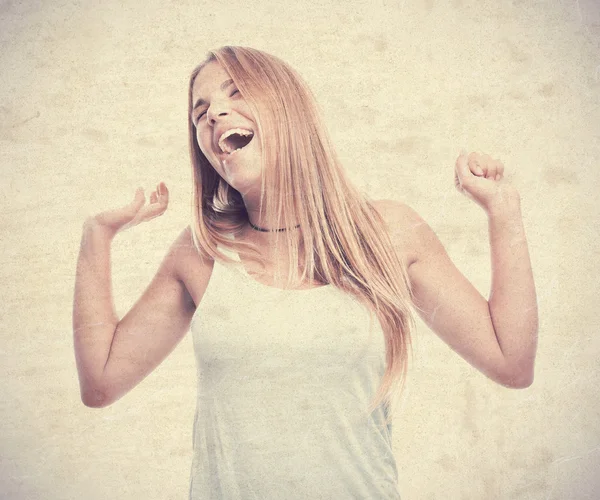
184	243
185	255
403	224
187	264
394	209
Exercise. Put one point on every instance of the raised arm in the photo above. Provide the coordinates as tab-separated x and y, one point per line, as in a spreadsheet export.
114	355
499	336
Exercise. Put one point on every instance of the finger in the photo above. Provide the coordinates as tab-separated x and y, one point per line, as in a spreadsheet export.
153	197
163	192
488	165
500	172
495	170
476	165
138	202
490	170
457	182
139	198
153	210
462	169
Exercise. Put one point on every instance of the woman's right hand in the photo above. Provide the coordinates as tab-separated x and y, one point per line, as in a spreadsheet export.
132	214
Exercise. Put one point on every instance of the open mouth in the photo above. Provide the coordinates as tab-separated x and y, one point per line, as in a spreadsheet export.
235	139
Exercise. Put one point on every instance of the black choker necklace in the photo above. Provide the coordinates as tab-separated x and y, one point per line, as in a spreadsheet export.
270	230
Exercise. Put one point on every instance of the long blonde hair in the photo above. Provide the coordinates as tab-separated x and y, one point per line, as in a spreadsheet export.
349	246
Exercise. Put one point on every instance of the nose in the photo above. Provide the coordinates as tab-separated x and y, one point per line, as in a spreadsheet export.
215	111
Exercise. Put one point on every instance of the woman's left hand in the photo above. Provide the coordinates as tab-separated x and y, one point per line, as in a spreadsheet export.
481	178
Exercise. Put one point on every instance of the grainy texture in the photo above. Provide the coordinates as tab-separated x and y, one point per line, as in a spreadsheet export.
93	104
283	394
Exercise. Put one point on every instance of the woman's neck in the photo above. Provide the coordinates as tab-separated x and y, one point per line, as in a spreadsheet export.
267	219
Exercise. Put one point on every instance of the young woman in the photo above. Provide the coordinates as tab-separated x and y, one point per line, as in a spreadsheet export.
298	291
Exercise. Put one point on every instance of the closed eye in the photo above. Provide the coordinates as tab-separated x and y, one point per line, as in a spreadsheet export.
200	115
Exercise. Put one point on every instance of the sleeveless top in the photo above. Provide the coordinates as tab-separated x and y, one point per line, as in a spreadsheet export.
285	378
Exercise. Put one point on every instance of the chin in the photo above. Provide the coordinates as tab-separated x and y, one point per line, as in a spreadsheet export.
244	184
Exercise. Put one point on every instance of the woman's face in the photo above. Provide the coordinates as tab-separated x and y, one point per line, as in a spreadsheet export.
225	129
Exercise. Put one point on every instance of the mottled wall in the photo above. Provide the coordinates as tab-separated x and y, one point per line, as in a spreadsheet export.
93	104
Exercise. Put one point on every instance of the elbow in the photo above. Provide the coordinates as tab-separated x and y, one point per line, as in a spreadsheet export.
95	398
522	382
519	379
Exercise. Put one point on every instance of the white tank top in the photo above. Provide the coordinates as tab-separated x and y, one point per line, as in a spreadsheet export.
285	378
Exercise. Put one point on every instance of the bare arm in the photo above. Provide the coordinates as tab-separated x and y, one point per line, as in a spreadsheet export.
499	336
114	355
513	299
495	341
94	316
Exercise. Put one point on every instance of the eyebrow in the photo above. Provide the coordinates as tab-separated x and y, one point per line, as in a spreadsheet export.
224	85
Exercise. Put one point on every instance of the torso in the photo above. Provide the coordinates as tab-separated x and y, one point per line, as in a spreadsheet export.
195	273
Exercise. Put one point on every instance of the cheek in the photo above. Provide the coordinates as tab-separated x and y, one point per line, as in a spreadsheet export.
203	141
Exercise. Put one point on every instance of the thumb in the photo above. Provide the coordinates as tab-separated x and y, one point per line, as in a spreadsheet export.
138	198
136	204
462	166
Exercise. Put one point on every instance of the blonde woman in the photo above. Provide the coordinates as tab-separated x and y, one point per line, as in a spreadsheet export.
298	291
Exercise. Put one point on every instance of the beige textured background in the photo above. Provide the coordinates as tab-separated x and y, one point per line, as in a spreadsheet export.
93	104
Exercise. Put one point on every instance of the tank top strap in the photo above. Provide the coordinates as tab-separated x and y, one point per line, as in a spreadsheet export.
230	253
227	267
